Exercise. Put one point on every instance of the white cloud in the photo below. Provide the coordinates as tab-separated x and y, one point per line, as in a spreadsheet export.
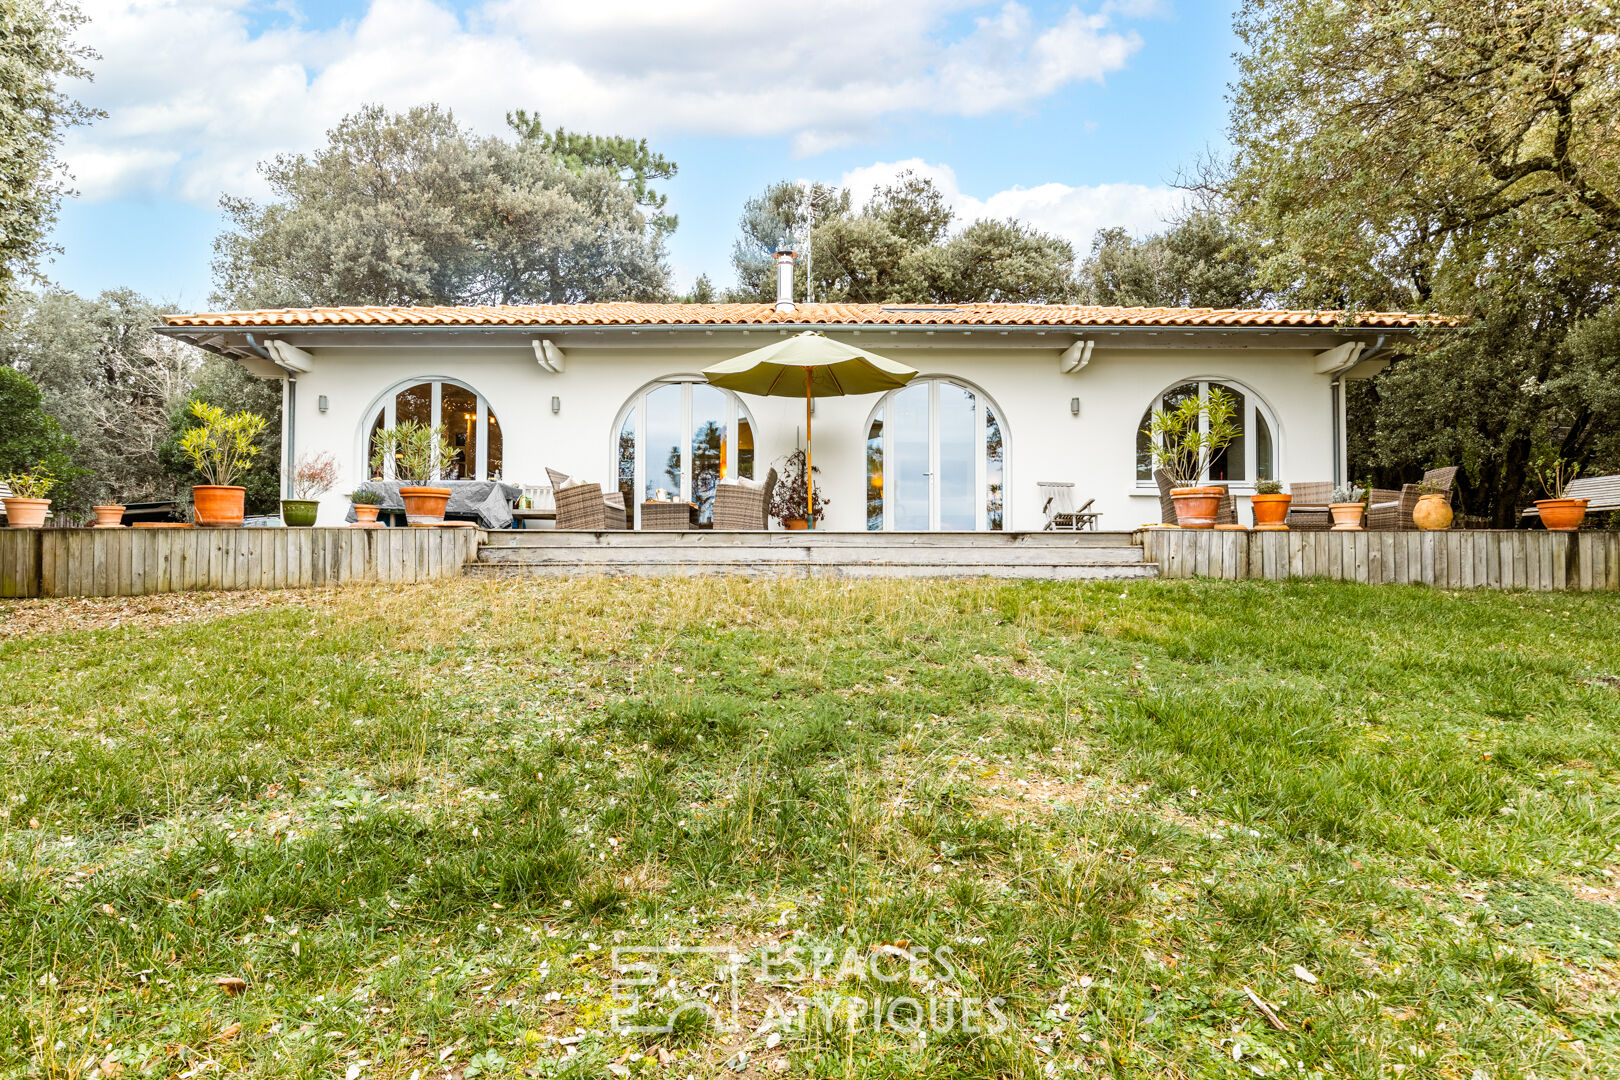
1074	213
196	96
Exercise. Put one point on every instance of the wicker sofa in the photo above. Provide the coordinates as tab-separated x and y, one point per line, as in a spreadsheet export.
1308	506
743	508
1389	509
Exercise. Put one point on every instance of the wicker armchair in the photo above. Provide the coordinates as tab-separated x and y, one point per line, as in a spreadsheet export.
1389	509
583	506
742	508
1308	508
1225	514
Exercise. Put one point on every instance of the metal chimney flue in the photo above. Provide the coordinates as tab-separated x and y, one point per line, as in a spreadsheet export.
784	276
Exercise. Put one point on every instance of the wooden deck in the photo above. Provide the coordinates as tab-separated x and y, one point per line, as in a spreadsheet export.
1458	559
1066	556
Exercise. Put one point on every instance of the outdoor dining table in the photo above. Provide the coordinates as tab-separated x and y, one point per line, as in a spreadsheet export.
489	501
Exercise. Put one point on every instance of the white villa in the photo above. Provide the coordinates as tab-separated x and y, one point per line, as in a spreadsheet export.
1007	396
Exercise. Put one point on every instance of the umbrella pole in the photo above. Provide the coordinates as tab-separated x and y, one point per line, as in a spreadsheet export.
809	468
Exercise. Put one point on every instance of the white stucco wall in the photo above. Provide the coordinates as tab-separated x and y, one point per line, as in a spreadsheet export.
1095	450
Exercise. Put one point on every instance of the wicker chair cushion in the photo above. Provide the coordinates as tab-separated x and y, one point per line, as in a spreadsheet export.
560	480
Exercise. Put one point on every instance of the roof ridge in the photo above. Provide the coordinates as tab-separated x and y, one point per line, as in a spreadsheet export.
634	312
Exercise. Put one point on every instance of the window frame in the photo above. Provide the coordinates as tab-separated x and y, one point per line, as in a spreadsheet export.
1253	404
387	401
981	472
636	406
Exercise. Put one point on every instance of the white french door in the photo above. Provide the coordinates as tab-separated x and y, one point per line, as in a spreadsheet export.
939	455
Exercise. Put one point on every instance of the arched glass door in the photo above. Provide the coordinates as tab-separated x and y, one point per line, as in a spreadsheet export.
935	460
679	439
465	415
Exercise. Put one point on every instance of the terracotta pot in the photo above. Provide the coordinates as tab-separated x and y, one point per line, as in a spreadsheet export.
218	506
1196	507
796	523
1346	517
1562	515
365	515
299	513
1432	512
424	505
110	516
1270	511
26	513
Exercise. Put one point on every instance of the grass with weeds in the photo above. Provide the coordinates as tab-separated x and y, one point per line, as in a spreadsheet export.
1081	828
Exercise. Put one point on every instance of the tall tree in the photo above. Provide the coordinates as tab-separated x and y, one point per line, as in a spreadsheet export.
409	208
31	441
37	54
1203	260
107	379
899	249
785	209
1448	155
635	163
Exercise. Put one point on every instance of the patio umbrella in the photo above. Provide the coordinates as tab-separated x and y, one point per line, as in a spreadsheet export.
812	365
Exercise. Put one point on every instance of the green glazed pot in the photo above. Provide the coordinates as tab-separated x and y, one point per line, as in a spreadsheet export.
298	513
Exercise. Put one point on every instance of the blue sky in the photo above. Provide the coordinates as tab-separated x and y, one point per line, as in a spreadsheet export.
1070	116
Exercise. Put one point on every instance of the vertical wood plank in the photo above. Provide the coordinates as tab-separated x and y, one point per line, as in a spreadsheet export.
47	563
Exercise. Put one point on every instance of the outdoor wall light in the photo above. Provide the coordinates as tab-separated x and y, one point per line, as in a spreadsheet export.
556	405
1074	406
322	404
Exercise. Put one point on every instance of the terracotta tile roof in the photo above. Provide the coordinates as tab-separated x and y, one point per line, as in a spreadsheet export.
630	314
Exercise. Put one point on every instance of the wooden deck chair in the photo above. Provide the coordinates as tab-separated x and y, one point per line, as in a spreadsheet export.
1057	504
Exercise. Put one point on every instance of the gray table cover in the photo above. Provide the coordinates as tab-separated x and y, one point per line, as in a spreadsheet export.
489	500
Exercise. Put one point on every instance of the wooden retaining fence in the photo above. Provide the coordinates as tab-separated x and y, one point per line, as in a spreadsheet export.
1457	559
137	562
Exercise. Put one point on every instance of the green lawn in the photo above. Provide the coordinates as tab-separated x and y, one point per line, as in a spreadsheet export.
418	821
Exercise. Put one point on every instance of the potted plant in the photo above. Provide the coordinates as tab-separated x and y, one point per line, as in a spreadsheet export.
1185	440
309	479
420	454
27	505
1270	506
788	500
1558	513
220	448
367	504
1347	508
109	515
1433	510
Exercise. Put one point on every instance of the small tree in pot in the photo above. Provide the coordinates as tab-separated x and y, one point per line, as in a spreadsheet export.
1348	506
220	448
1559	513
789	505
1270	506
1185	440
420	454
367	505
27	505
313	476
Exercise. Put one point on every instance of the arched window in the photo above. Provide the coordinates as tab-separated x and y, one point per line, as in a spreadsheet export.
935	459
465	415
677	439
1249	457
